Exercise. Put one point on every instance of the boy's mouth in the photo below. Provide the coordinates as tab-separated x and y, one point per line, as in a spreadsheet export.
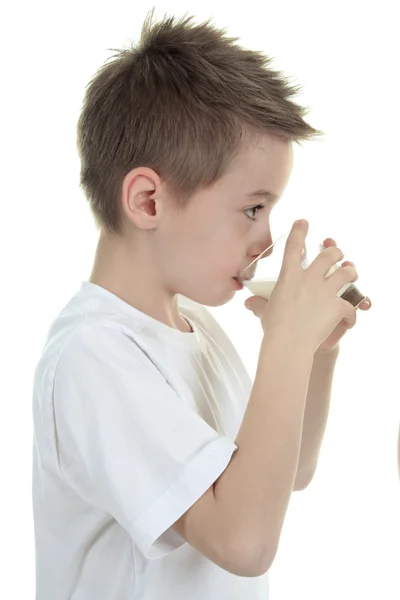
238	283
247	278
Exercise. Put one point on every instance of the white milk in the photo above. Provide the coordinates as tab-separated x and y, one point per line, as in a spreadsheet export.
264	287
261	287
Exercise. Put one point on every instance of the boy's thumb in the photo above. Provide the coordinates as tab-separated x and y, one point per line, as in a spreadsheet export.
248	304
256	304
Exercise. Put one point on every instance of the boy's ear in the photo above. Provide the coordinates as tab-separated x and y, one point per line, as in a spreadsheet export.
140	189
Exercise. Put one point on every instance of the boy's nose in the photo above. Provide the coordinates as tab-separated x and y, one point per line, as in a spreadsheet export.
266	253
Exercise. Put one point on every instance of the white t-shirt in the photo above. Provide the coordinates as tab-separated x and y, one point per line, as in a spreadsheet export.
133	422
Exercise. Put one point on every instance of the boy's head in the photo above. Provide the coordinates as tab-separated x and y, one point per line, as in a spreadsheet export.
175	137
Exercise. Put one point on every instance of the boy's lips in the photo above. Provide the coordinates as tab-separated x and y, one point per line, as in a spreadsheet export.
247	278
238	283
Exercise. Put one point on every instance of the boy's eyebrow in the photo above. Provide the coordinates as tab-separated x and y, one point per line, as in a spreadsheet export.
263	194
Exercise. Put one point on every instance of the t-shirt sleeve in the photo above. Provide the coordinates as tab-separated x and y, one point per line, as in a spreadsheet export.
127	443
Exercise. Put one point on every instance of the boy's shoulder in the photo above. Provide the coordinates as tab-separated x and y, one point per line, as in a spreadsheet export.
97	330
94	321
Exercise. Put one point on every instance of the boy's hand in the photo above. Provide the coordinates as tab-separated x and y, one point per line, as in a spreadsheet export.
257	306
332	341
313	306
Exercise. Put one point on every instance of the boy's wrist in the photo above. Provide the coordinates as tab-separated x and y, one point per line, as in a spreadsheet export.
286	344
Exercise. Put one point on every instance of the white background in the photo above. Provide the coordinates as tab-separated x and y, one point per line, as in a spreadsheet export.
341	538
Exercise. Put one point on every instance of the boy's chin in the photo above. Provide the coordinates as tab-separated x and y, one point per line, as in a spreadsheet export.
213	300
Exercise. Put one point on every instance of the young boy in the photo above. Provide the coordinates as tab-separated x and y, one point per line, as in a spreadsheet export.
160	470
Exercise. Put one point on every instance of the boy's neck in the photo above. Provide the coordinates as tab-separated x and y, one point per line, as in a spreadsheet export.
135	282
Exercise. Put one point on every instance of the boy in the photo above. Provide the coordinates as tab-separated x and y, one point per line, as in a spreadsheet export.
160	471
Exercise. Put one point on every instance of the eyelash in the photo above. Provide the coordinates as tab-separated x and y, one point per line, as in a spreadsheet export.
257	208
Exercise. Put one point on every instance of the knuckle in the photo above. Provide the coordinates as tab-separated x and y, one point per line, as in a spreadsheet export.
351	311
349	274
332	250
335	254
353	273
339	253
284	274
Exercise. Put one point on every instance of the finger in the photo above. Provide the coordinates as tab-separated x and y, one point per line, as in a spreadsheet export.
326	260
329	242
256	304
295	245
365	304
351	319
349	323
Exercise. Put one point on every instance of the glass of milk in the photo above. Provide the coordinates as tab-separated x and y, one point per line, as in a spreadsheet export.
261	275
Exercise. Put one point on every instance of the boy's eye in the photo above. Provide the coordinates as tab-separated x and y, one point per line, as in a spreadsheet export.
254	208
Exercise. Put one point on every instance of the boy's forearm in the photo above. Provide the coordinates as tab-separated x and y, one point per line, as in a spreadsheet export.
255	489
315	416
398	452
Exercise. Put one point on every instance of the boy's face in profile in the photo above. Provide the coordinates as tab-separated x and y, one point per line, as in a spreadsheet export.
197	251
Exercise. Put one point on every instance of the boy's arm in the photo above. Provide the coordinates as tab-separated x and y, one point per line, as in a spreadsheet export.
398	453
237	523
315	416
